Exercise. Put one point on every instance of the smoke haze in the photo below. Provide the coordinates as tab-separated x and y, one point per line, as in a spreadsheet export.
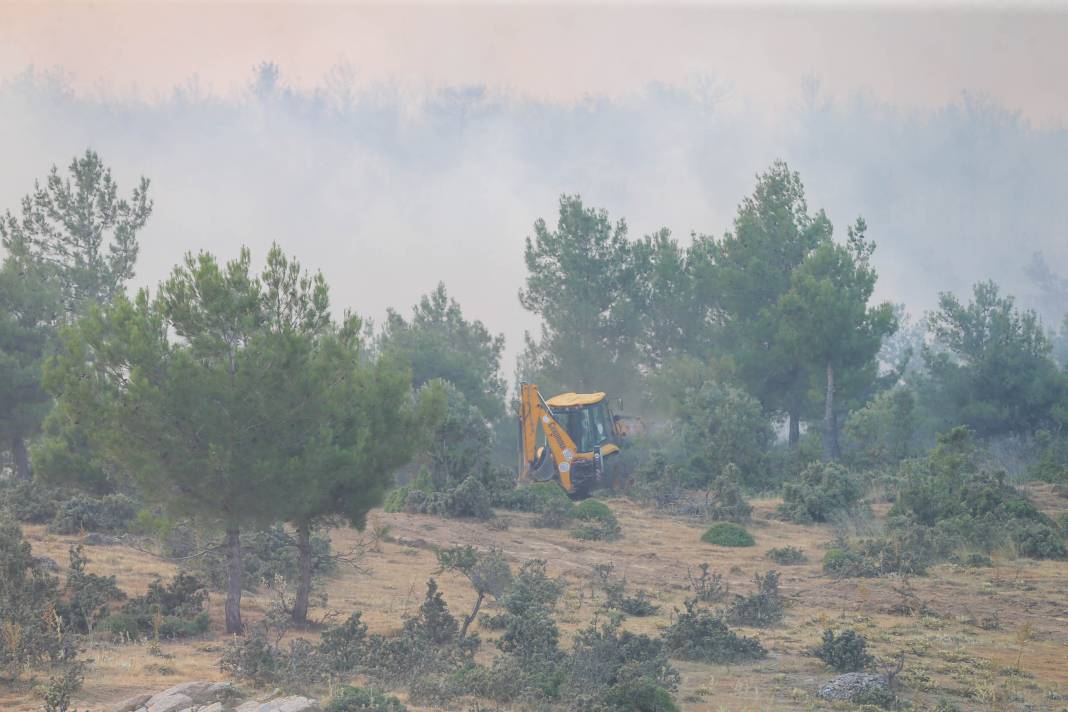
389	187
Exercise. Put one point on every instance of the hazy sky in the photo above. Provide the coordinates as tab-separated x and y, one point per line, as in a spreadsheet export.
406	145
907	56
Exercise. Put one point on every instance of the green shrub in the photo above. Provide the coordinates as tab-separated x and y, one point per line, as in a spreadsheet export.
707	586
605	657
595	522
900	552
357	699
86	596
728	534
62	687
343	647
725	500
640	695
845	652
469	499
172	610
111	513
1037	540
616	596
28	501
761	608
394	501
555	514
787	555
823	490
28	595
697	634
536	497
958	504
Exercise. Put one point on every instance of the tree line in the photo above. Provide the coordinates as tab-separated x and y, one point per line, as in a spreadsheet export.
244	398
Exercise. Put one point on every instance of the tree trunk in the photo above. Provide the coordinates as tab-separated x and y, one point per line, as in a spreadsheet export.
795	426
21	457
469	619
304	566
233	594
830	419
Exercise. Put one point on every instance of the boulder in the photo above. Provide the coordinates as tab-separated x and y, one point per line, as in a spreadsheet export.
289	704
131	704
855	686
169	703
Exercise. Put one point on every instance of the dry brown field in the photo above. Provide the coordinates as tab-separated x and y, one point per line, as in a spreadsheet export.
992	639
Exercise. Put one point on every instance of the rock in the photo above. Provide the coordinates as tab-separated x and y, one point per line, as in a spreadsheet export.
853	685
282	704
200	692
170	703
214	707
98	539
133	703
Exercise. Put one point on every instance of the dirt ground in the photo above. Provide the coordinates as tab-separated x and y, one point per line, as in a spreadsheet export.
990	639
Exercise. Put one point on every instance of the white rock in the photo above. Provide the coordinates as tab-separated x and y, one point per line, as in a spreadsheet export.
171	703
132	704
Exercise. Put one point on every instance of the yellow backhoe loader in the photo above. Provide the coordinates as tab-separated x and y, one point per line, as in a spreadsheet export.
580	440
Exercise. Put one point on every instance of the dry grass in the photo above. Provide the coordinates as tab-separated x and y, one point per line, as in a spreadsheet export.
1019	665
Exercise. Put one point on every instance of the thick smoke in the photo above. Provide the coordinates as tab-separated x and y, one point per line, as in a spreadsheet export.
388	192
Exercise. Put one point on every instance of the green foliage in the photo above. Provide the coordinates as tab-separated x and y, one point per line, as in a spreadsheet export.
461	443
166	610
530	633
957	503
344	647
706	586
728	534
556	514
86	596
904	549
828	324
536	497
595	522
640	695
578	278
1051	465
439	343
28	501
884	431
488	572
725	499
724	432
111	513
62	687
269	557
763	607
617	597
697	634
469	499
823	490
605	660
28	596
990	366
845	651
749	274
787	555
357	699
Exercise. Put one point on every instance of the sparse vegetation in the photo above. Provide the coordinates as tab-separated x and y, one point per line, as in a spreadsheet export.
595	522
787	555
698	634
845	651
823	490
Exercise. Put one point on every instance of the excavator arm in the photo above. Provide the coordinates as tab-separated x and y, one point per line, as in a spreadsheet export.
534	413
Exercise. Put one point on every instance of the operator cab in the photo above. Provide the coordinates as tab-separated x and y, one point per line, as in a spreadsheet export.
585	417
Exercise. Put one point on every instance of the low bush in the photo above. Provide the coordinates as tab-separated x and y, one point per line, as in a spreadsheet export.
697	634
707	586
870	558
536	497
112	513
595	522
823	490
357	699
639	695
761	608
617	597
555	514
28	501
1038	540
604	657
468	500
728	534
845	651
86	596
725	500
787	555
169	611
32	633
959	504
